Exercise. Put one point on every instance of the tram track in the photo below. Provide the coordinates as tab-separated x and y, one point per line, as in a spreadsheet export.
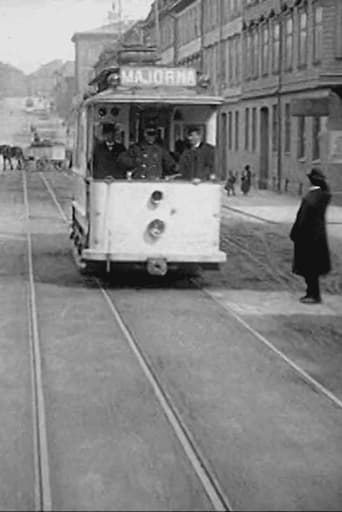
265	262
249	215
201	466
279	278
199	463
42	492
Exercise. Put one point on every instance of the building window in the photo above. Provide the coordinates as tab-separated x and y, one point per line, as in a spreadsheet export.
254	128
255	54
231	62
276	47
237	121
316	128
303	38
248	66
225	63
287	144
246	129
237	60
318	33
215	66
230	131
289	43
265	49
274	128
301	138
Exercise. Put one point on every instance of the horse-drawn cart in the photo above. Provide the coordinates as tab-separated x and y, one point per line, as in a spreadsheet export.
46	154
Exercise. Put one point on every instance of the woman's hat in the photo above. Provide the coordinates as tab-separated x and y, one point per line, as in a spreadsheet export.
194	128
108	128
316	174
150	131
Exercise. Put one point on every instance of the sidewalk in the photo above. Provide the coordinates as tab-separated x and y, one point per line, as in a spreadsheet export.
265	205
274	207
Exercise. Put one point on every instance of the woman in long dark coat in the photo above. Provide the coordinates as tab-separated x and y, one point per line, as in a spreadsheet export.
311	250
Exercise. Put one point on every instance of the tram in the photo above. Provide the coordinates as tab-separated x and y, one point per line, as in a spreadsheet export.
162	222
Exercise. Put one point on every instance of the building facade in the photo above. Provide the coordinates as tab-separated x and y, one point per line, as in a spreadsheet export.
88	47
291	92
278	65
64	89
41	82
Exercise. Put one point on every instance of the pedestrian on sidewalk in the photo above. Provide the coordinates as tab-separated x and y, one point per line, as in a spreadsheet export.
230	183
246	180
311	251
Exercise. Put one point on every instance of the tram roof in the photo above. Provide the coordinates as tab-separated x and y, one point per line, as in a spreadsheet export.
181	96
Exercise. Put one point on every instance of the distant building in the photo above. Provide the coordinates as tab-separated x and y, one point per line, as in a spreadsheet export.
13	81
42	81
88	47
64	90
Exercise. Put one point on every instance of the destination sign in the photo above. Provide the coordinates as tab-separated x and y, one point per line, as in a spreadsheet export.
158	76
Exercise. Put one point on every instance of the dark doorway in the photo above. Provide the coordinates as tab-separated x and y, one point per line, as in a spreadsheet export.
223	147
264	148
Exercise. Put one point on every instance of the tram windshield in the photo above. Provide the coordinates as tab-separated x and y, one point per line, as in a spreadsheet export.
152	141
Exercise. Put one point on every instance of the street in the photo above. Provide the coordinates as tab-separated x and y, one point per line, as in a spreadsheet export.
171	255
144	382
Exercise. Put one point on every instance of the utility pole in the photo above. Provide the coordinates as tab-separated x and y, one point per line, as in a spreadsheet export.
219	68
175	37
202	25
156	15
279	93
120	17
115	15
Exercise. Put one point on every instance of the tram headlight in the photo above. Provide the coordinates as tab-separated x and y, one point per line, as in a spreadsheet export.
156	228
156	197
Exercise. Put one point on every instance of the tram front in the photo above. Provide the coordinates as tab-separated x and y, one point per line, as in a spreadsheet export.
146	189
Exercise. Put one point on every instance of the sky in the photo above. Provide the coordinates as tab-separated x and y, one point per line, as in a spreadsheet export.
34	32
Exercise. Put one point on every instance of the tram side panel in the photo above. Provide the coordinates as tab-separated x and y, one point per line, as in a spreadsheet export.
128	225
80	199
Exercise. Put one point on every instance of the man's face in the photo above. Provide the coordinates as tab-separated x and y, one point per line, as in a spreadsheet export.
109	137
150	136
194	138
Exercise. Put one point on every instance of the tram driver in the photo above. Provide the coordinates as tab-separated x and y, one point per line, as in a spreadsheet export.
148	159
106	153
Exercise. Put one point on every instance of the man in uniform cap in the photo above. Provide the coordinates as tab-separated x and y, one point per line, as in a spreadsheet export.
148	160
198	161
311	250
106	153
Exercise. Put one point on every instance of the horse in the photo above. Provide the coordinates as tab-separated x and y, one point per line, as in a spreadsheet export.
6	152
18	154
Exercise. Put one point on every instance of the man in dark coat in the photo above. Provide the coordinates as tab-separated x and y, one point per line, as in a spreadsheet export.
197	162
106	153
148	160
18	154
311	251
246	180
